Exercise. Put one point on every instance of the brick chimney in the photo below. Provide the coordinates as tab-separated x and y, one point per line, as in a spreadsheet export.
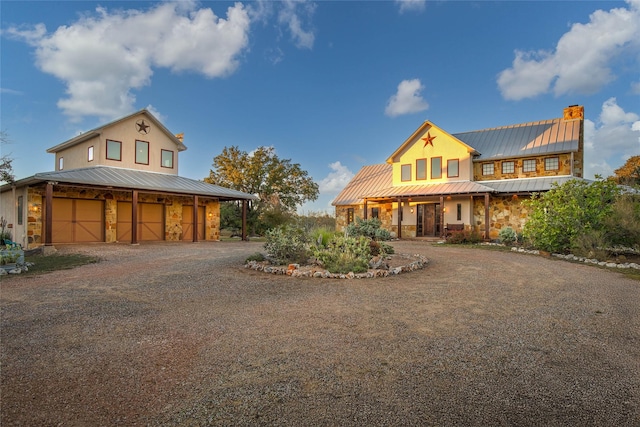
573	112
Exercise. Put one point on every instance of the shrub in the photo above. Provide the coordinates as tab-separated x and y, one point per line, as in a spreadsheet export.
623	225
255	257
464	236
590	244
368	228
286	245
508	236
345	254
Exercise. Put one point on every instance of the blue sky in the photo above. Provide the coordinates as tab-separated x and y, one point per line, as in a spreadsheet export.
332	85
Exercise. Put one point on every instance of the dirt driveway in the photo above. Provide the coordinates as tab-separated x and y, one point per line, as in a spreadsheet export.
181	334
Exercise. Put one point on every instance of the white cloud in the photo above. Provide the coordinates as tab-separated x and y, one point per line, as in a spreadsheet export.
407	99
293	14
336	180
102	58
411	5
611	140
583	58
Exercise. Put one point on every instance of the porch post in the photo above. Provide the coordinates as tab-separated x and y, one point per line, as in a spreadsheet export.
244	220
486	216
48	215
442	211
365	209
134	217
399	218
195	219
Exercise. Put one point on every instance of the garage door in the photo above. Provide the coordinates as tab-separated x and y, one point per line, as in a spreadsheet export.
150	222
77	221
187	223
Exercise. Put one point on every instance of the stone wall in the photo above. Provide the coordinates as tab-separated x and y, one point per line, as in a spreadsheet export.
503	212
564	168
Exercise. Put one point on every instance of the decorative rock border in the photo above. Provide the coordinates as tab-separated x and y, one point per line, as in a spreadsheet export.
573	258
294	270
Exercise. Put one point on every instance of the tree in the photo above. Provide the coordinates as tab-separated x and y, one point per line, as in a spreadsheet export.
567	211
6	168
280	185
629	173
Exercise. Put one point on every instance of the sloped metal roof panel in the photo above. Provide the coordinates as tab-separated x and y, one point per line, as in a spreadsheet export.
445	188
368	179
526	139
107	176
527	185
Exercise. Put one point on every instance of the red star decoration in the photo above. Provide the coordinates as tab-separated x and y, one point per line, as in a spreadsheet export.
428	140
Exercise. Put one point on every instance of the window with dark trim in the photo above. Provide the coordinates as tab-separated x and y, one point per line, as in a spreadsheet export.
114	150
375	212
529	165
142	152
61	163
459	212
487	169
167	159
508	167
421	169
551	164
436	167
349	215
20	209
453	168
405	173
90	154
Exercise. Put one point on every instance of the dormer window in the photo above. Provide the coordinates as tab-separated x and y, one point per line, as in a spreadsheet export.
114	150
167	159
142	152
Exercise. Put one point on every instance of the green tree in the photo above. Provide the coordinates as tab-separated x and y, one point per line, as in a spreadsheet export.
280	184
629	173
6	168
567	211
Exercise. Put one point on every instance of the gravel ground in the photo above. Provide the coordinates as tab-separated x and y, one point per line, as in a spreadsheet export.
181	334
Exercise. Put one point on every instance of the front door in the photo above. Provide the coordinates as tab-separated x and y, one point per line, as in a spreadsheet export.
428	220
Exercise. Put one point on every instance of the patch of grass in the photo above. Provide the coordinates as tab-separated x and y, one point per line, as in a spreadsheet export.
53	262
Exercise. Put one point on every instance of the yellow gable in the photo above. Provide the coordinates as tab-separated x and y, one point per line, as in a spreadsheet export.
431	155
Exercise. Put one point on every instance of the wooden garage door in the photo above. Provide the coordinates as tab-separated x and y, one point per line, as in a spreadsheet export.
187	223
150	222
77	221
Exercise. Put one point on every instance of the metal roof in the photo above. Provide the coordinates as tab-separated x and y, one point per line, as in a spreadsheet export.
527	185
440	189
119	178
526	139
367	180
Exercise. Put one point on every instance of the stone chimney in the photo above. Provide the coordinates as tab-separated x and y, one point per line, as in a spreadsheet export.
573	112
180	137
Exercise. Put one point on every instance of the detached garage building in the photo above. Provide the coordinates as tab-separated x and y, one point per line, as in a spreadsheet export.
115	183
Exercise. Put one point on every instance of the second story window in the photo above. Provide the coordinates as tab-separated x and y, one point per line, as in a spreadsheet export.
453	168
90	154
529	165
487	169
61	163
167	159
551	164
421	169
508	167
114	150
405	173
142	152
436	167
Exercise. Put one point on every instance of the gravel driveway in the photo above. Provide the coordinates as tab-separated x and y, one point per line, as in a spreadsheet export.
182	334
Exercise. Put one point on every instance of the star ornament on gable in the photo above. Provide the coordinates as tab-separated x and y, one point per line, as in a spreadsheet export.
142	127
428	140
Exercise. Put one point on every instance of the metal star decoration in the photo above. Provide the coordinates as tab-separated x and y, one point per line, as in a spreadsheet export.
142	127
428	140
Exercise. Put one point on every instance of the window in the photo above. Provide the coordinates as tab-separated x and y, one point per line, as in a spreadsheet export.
20	209
529	165
61	163
459	212
114	150
349	215
487	169
406	173
142	152
421	169
167	159
436	167
508	167
375	212
90	154
551	164
453	168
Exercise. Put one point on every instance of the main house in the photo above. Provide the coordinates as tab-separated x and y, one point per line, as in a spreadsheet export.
116	183
473	180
